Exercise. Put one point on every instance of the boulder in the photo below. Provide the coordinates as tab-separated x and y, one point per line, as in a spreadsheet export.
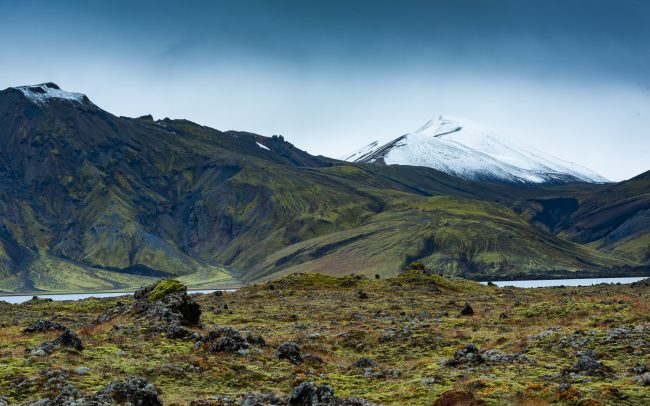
135	391
223	339
588	364
308	394
467	310
458	398
175	331
643	379
291	351
262	399
166	304
469	355
82	370
255	340
68	340
364	362
42	326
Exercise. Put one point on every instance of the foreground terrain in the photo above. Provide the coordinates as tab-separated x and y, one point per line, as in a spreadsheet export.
413	339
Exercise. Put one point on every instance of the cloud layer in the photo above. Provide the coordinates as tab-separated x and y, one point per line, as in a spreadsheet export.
569	77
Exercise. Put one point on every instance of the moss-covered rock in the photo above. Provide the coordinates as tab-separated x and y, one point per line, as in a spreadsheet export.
166	287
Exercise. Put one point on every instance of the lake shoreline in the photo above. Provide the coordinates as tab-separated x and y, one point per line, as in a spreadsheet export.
239	286
84	292
21	297
573	282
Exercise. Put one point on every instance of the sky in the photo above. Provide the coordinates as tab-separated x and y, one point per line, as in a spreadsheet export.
571	78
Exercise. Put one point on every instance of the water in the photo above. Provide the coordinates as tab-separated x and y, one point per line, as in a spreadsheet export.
79	296
544	283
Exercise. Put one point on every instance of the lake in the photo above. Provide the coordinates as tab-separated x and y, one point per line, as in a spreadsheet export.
78	296
545	283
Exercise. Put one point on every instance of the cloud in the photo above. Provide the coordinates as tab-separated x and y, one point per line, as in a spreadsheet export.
331	76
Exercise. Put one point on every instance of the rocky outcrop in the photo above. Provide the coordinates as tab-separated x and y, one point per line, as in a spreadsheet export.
67	340
467	356
309	394
458	398
263	399
588	364
467	310
291	352
223	339
162	307
42	326
135	391
170	306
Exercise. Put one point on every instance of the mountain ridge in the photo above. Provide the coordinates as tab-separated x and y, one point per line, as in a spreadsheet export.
93	201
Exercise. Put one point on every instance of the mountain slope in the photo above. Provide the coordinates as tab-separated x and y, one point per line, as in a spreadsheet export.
90	200
615	220
462	148
451	235
107	192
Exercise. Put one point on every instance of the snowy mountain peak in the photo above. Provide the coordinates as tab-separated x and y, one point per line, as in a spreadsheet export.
463	148
443	125
47	91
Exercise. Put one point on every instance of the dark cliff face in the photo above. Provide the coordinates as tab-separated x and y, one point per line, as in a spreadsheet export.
91	200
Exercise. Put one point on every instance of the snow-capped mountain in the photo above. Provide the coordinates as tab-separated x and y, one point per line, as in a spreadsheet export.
464	149
47	91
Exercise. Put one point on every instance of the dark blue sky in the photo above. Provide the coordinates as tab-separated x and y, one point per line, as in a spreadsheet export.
570	77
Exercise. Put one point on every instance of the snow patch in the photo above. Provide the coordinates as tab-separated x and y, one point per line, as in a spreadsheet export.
356	155
465	149
262	146
46	91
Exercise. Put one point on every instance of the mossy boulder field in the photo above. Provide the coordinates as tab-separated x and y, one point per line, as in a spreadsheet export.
313	339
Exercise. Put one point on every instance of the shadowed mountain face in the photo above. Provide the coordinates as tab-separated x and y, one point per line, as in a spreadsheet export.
615	220
89	200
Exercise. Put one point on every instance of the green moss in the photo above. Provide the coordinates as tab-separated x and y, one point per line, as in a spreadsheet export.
166	287
325	316
416	266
